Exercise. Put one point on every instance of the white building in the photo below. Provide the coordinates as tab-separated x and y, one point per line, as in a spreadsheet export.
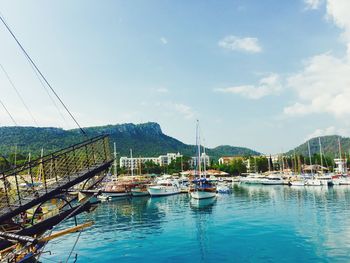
340	166
162	160
204	159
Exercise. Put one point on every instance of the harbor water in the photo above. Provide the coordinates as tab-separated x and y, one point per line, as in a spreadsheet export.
253	224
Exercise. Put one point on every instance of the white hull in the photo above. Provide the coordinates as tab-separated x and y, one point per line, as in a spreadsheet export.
314	182
297	183
163	190
341	181
202	194
107	196
139	193
272	182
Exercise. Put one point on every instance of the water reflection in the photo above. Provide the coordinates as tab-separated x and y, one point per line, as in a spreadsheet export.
136	215
320	215
203	205
254	223
202	210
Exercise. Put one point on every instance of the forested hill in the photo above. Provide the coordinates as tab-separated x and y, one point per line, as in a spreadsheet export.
145	139
329	146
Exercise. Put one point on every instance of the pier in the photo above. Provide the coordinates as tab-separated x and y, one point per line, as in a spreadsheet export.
40	180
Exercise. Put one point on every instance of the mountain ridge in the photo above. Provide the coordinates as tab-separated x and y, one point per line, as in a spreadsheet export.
146	139
329	145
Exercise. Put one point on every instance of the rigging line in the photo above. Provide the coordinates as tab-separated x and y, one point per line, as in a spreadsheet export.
74	245
43	77
48	93
63	220
18	94
3	105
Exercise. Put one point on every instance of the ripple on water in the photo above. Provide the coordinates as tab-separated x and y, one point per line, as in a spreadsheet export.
253	224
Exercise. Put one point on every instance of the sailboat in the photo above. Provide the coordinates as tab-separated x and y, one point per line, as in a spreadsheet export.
203	188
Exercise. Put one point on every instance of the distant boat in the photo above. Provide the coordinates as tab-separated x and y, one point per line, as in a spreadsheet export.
297	183
139	191
320	180
164	187
222	188
272	180
252	179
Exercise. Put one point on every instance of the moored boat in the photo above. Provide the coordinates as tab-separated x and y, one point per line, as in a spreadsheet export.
139	191
164	187
272	180
203	188
297	183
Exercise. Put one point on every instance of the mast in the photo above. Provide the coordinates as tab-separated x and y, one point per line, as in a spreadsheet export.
182	165
319	142
204	163
255	166
339	145
41	167
295	163
132	163
15	155
198	149
115	160
269	164
308	146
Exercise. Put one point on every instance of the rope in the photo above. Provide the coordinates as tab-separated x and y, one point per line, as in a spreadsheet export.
18	94
9	114
64	219
48	93
75	243
41	74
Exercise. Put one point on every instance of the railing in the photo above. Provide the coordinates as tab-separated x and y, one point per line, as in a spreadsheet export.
58	170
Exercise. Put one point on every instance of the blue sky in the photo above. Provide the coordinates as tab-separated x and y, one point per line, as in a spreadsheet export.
261	74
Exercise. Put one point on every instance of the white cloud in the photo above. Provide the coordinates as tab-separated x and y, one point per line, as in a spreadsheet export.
161	90
185	110
164	40
247	44
323	85
331	130
312	4
338	11
172	109
267	86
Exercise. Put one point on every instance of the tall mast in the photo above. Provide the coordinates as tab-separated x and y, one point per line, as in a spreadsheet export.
132	163
319	142
15	155
198	149
204	162
115	160
255	166
295	163
182	165
339	145
308	146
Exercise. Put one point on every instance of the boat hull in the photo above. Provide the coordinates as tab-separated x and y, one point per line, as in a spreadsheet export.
203	194
139	193
111	195
272	182
297	183
163	191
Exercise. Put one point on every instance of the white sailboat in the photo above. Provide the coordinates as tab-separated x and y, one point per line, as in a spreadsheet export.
203	188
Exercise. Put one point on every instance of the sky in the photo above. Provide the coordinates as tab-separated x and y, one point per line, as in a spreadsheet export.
266	75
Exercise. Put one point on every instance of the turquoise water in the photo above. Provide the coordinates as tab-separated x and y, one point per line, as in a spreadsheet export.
253	224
